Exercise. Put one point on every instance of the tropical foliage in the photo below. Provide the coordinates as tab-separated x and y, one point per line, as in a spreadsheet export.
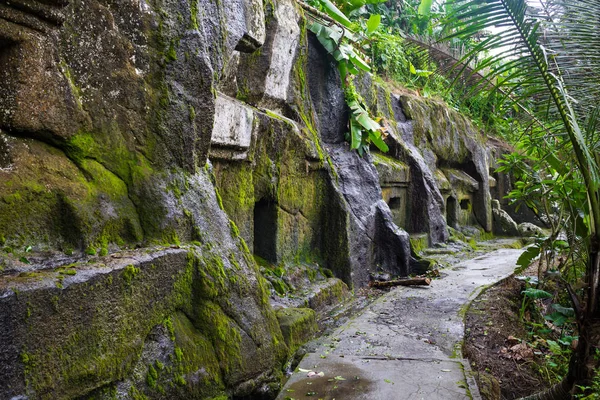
340	42
542	61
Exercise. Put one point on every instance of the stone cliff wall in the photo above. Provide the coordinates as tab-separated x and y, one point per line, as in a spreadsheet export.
150	148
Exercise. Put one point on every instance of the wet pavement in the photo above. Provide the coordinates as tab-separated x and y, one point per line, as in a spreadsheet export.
405	345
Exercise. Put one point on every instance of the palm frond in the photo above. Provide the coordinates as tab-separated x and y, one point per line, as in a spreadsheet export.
546	58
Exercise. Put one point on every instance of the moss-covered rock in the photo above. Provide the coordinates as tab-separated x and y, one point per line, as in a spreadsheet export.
298	326
70	334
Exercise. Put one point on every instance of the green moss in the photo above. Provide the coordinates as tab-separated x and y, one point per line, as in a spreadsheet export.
90	251
171	54
418	243
151	377
104	344
334	293
223	334
170	237
298	326
136	394
55	303
193	351
168	323
129	274
280	286
194	14
70	271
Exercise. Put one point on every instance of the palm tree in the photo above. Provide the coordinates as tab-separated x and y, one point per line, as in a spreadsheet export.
545	56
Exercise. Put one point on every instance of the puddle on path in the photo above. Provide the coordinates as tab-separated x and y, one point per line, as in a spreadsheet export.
328	387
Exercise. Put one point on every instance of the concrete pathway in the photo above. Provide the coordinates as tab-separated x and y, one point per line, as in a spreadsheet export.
406	345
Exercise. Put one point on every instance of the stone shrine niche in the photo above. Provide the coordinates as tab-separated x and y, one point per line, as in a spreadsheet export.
36	99
452	213
459	189
394	179
265	230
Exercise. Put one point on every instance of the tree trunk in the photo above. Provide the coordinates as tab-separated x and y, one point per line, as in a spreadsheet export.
587	362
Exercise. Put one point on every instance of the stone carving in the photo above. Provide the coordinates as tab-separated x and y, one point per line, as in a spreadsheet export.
232	129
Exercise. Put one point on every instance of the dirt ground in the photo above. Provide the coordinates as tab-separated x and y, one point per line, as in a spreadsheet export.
506	369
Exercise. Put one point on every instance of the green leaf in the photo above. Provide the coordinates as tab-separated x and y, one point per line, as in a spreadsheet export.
412	68
528	255
554	347
355	134
373	23
556	318
367	122
555	163
377	140
335	13
566	311
359	62
422	72
533	293
425	7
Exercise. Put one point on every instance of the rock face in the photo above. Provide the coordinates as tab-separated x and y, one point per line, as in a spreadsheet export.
527	229
150	149
503	223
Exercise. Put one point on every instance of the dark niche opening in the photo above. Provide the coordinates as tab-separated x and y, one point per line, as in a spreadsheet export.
265	230
395	203
9	62
465	204
451	212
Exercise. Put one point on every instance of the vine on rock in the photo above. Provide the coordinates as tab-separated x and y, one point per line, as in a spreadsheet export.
339	39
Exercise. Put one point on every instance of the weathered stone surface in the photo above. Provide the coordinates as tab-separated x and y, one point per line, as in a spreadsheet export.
460	180
427	204
277	197
331	293
326	93
394	179
247	33
28	62
233	125
265	77
391	171
425	207
105	126
450	140
527	229
298	325
374	239
108	111
78	329
503	223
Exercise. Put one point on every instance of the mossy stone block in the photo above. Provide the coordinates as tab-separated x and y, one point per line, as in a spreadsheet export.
298	326
332	293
